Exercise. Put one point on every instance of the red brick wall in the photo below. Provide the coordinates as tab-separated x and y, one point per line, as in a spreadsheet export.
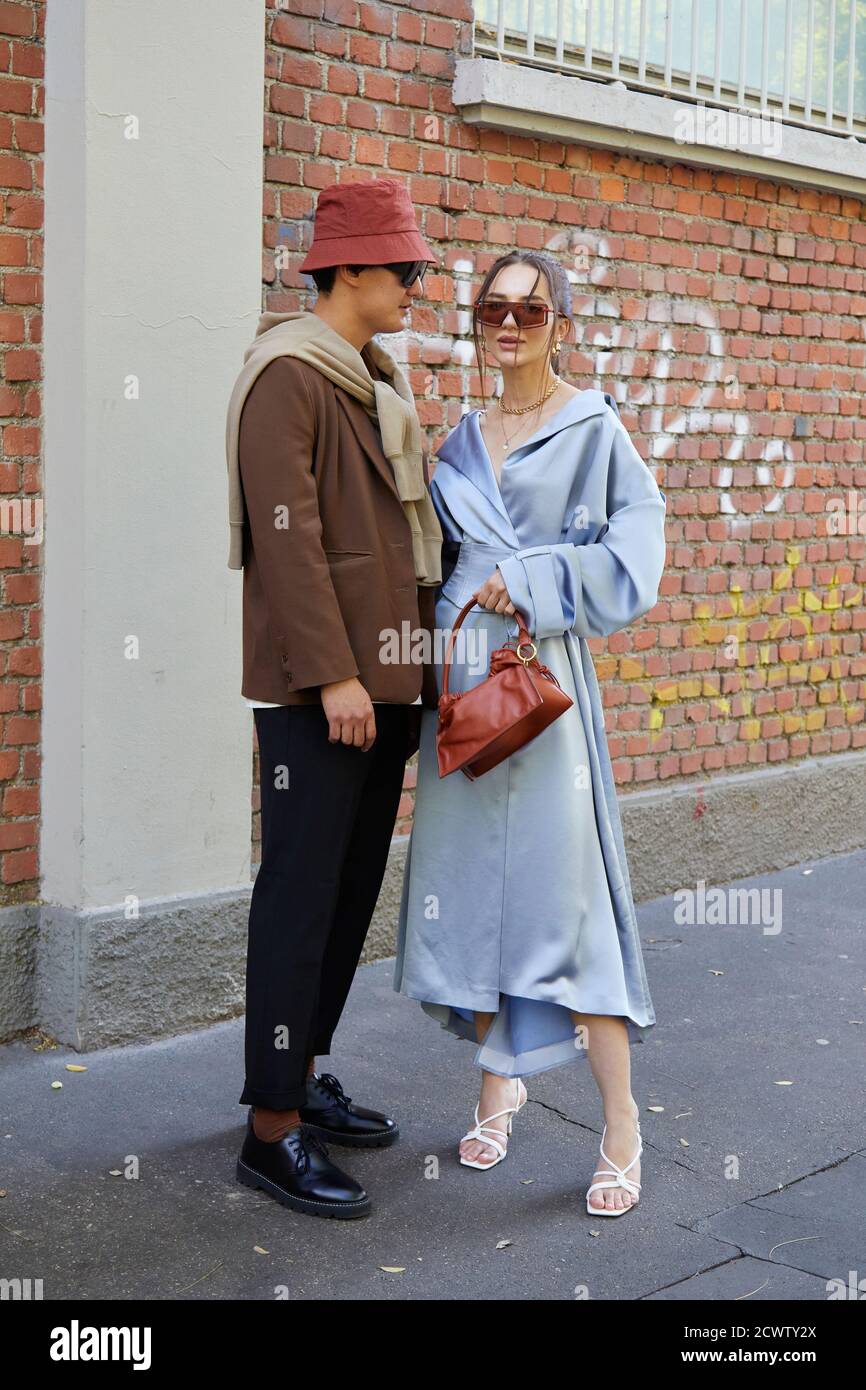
728	315
21	144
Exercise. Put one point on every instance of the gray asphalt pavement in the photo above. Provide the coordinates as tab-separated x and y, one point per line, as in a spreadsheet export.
752	1189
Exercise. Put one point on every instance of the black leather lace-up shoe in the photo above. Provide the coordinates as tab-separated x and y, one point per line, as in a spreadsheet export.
297	1171
330	1114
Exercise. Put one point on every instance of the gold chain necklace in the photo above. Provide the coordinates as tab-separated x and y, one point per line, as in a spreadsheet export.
509	439
525	409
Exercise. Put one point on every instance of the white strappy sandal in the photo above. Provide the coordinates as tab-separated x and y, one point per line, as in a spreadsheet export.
494	1139
621	1181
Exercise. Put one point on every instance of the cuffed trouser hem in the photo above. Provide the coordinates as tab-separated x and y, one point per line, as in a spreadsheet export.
275	1100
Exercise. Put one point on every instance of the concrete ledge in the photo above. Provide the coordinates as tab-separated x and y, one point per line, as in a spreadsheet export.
558	106
98	979
104	979
740	824
19	934
381	938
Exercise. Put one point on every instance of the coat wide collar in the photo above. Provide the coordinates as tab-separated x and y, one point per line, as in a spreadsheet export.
465	450
580	407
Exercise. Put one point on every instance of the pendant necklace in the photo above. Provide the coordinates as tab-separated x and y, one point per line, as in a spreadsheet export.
524	410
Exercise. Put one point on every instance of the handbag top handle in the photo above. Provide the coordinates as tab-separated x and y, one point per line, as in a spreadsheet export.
523	635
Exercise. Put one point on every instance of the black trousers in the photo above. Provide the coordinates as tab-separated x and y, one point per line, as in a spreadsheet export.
328	814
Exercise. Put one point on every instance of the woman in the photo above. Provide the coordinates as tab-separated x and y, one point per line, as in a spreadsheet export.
517	925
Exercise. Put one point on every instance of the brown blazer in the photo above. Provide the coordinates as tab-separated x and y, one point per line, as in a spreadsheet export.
327	547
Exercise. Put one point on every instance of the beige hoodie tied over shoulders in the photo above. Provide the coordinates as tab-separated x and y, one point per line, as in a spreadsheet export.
304	335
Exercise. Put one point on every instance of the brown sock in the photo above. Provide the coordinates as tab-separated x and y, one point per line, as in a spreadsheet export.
273	1125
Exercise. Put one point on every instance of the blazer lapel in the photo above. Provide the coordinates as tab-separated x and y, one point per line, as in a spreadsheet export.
367	436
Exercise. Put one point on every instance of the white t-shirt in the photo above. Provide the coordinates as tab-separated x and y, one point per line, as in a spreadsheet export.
265	704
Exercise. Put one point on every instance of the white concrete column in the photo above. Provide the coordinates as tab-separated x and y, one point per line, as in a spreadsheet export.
153	290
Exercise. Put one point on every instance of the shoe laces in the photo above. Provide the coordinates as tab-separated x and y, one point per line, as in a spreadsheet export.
307	1141
331	1084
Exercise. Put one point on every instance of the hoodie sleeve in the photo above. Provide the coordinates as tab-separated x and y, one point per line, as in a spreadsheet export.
597	588
276	448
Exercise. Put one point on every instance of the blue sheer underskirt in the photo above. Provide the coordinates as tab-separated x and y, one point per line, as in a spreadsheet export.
526	1035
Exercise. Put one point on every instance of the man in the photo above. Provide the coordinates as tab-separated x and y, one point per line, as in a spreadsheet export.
333	525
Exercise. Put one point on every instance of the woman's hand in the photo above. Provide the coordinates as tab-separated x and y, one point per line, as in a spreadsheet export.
494	596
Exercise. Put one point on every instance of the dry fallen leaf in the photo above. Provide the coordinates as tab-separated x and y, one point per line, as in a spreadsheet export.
57	1085
795	1240
115	1173
524	1181
393	1269
501	1244
260	1250
656	1109
685	1143
73	1066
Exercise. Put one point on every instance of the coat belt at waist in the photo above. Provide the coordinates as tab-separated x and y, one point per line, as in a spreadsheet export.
475	563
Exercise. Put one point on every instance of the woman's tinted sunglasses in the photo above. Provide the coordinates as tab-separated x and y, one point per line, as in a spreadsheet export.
495	311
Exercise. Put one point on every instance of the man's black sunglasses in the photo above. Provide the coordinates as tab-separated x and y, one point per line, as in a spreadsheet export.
408	271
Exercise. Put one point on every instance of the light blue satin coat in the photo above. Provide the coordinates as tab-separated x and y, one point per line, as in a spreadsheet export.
516	897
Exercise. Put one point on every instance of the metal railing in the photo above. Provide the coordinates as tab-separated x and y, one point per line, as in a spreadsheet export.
800	61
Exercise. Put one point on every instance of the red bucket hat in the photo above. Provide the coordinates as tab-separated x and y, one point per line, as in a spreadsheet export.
368	223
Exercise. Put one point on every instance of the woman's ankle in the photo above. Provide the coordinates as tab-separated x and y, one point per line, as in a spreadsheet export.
622	1114
505	1084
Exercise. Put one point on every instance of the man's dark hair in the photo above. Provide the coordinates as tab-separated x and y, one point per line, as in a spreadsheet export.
324	278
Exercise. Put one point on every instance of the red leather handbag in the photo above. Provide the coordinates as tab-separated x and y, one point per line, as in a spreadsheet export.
479	728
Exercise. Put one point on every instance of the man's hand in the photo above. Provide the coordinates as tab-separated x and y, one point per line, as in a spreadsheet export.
494	596
351	718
